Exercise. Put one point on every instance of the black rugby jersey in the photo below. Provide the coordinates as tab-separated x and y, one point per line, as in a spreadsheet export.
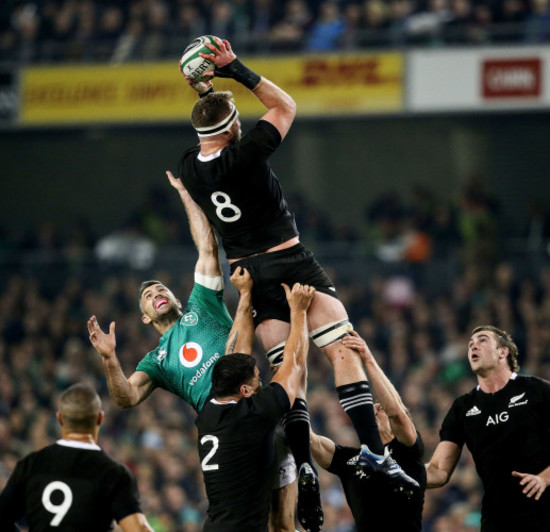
69	487
506	431
375	507
237	456
240	194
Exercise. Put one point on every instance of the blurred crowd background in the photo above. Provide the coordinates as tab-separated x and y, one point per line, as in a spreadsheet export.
417	272
125	30
413	295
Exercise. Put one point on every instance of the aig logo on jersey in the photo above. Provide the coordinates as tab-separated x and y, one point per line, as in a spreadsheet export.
190	354
497	419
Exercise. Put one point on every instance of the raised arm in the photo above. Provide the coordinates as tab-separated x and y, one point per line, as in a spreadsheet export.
291	374
125	392
241	335
281	107
203	235
440	468
322	449
401	424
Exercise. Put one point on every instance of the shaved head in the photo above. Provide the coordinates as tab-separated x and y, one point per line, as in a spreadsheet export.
79	407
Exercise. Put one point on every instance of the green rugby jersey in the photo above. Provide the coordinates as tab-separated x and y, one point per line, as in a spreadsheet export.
183	361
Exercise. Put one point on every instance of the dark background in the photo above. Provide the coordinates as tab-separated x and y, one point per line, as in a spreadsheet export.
341	165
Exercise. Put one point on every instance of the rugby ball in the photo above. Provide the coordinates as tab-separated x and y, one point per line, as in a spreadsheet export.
192	64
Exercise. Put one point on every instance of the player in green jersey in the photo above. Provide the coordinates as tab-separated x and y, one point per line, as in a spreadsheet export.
192	340
192	337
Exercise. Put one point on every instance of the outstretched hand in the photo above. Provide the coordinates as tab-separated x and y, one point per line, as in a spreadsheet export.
242	280
300	297
104	344
176	182
534	485
355	342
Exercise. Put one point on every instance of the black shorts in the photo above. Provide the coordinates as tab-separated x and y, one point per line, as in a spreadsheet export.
268	270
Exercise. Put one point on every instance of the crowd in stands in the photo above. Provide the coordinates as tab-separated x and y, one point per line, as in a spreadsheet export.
411	226
125	30
418	333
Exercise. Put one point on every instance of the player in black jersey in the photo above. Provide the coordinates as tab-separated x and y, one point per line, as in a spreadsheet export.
236	427
374	502
193	337
73	485
229	176
505	423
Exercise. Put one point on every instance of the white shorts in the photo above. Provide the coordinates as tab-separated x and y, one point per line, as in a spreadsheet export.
286	466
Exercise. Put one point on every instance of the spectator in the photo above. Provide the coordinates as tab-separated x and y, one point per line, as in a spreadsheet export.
223	22
537	27
511	20
350	36
376	24
327	28
155	41
400	10
263	16
188	24
111	26
289	33
426	27
457	29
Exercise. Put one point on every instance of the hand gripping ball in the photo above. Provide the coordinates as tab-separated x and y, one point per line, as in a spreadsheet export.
192	64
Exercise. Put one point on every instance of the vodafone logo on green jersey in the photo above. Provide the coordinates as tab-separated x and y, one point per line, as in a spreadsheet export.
190	354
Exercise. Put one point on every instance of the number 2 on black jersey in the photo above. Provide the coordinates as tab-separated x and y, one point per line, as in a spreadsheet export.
206	466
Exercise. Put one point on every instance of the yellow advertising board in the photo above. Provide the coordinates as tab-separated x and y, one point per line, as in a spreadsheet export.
321	85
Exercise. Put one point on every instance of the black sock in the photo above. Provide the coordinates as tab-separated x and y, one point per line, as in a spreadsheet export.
296	424
356	400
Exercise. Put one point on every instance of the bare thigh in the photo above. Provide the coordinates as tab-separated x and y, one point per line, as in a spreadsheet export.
324	309
283	506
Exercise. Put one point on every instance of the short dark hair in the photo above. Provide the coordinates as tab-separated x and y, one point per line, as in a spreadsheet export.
504	340
146	284
212	109
142	287
79	406
230	372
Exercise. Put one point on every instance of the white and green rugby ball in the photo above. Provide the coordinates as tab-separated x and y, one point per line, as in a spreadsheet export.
192	64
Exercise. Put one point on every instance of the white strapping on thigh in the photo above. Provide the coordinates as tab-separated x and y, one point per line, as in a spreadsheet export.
275	354
329	333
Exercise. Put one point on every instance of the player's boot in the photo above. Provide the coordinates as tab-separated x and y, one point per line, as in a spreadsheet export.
370	463
310	511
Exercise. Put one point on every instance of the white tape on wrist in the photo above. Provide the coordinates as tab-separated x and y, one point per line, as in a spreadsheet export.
214	282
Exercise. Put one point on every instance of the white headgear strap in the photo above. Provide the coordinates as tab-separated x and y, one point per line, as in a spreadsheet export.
221	127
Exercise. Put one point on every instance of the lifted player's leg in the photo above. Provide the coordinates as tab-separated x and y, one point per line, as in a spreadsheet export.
328	318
